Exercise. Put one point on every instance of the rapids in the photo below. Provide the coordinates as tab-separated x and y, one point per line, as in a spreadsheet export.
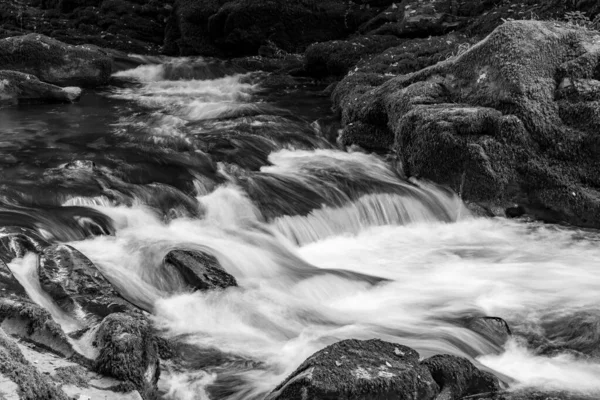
325	243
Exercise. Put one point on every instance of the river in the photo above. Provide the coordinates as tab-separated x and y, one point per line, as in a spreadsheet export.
325	244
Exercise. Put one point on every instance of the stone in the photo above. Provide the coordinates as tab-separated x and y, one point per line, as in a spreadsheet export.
55	62
198	271
128	351
359	369
20	88
457	377
77	286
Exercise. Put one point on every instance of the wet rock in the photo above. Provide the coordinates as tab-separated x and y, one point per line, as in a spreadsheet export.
494	329
19	379
491	142
55	62
355	369
128	351
20	88
367	136
77	286
457	377
9	286
529	394
198	270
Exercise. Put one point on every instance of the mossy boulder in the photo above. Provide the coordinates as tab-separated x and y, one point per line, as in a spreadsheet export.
360	369
55	62
508	121
20	88
128	350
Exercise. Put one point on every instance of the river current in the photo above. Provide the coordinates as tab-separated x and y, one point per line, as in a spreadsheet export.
325	243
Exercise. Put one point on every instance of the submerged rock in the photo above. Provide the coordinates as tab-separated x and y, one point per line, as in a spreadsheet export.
55	62
357	369
20	88
494	329
198	270
77	286
502	122
128	351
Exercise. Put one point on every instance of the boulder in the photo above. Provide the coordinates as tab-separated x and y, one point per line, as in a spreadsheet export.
128	351
359	369
55	62
531	394
20	88
196	270
457	377
494	329
501	123
19	379
77	286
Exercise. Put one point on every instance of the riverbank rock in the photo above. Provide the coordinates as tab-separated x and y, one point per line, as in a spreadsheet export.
128	351
77	286
16	241
55	62
511	120
197	271
20	88
19	379
356	369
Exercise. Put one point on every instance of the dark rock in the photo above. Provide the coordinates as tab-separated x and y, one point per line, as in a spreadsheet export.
128	350
355	369
20	88
530	394
494	329
367	136
458	378
9	286
77	286
32	385
55	62
196	270
491	141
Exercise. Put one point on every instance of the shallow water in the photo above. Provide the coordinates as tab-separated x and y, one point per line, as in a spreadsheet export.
325	244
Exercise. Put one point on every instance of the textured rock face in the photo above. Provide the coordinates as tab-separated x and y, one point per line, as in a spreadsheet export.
77	286
20	88
55	62
374	369
198	271
128	351
354	369
510	120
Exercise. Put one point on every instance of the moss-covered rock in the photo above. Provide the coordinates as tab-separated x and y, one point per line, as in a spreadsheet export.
20	88
55	62
128	351
356	369
32	385
491	123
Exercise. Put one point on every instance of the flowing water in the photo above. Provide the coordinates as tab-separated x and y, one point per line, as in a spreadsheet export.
325	244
